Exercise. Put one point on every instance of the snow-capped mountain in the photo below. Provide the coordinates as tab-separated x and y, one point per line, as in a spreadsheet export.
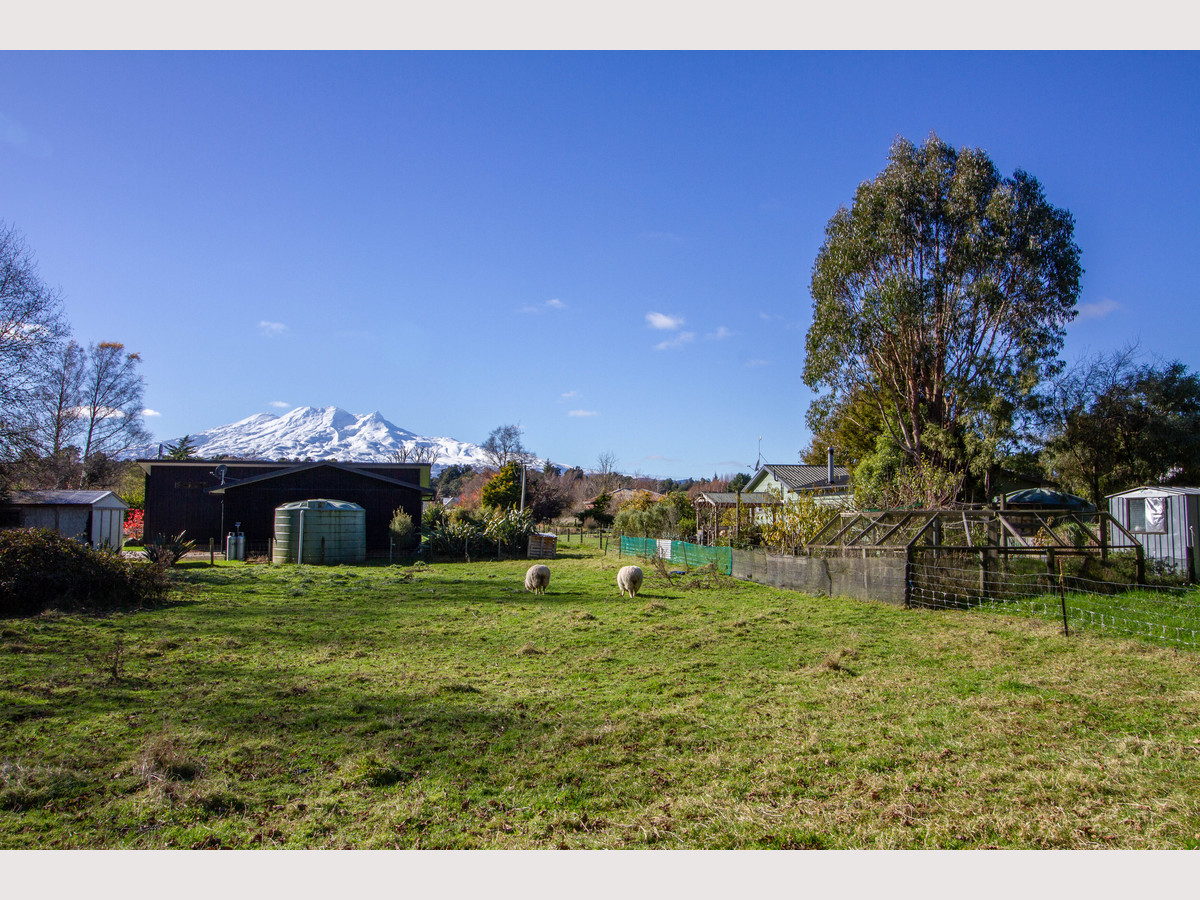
322	433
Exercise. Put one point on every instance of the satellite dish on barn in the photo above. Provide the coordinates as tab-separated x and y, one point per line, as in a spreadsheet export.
219	471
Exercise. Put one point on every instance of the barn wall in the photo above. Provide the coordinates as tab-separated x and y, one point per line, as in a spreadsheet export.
254	504
178	498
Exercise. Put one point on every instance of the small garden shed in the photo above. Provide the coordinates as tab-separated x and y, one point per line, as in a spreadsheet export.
1165	520
94	517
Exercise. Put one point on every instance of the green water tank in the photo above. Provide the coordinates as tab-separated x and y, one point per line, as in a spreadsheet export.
320	532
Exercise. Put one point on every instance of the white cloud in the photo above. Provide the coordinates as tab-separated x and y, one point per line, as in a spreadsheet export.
676	342
280	404
658	457
1099	309
567	395
150	413
553	303
752	363
582	413
663	322
271	329
102	412
720	334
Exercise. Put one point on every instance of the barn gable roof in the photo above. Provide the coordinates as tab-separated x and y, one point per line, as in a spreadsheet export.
304	467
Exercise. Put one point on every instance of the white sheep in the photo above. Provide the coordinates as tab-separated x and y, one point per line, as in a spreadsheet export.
537	579
629	579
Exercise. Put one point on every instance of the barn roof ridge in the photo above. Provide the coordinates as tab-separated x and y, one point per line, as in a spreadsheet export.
302	467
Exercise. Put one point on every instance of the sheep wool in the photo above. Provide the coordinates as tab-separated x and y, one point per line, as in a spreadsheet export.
629	579
537	579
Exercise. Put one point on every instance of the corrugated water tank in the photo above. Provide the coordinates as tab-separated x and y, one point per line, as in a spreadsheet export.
320	532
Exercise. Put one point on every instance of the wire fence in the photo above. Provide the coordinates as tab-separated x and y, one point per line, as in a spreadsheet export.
691	556
1163	613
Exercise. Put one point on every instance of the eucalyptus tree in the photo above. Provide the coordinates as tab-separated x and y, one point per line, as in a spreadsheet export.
941	296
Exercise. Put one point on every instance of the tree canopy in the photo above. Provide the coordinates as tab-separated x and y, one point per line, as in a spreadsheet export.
503	490
1111	422
942	296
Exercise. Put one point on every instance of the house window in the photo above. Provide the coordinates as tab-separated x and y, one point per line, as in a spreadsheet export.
1148	515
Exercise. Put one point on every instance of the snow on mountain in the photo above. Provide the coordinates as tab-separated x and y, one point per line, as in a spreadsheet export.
322	433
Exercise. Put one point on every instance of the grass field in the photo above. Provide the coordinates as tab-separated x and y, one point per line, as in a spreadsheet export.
441	706
1168	617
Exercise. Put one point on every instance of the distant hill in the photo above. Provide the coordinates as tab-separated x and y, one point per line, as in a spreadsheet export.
320	433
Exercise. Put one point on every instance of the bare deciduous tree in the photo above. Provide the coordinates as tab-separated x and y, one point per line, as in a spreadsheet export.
606	475
58	408
413	452
504	446
31	328
112	401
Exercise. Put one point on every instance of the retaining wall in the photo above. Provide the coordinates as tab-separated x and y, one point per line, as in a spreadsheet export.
877	578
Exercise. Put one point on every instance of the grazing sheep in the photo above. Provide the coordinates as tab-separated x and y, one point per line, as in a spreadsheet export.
630	579
537	578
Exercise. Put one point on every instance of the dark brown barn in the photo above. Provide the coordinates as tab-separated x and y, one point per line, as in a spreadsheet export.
206	499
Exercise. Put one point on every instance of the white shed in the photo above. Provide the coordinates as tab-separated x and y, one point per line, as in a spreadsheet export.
93	517
1165	520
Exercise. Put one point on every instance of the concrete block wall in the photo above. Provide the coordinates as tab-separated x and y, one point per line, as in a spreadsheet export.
874	578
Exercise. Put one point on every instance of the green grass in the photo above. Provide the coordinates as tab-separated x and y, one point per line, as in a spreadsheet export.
442	706
1169	618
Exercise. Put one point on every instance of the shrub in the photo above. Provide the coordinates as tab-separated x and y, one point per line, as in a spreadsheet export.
41	570
401	528
794	522
133	524
670	517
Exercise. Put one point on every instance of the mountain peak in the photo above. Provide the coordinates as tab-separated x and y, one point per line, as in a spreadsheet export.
327	432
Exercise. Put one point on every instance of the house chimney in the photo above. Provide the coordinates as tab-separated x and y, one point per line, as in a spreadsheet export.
830	465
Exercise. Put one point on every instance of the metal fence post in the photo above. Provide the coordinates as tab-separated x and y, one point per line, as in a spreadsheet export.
908	575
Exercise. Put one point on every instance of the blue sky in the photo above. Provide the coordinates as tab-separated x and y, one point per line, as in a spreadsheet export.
612	250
